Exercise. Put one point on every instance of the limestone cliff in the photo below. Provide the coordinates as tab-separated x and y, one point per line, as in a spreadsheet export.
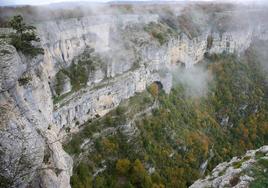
27	136
110	89
33	126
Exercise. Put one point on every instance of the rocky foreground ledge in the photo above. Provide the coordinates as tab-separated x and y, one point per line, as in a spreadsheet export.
250	170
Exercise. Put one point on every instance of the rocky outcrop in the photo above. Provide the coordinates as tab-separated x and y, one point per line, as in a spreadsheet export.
56	169
236	173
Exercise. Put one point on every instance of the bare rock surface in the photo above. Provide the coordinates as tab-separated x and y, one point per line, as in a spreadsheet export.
235	173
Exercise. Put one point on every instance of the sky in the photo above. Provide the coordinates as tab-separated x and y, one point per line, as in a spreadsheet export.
40	2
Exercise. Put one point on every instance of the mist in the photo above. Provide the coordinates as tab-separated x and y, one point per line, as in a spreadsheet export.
195	80
213	15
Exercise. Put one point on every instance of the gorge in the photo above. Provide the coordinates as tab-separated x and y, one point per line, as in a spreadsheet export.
91	65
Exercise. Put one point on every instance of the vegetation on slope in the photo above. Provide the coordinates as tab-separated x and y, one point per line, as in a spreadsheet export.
160	31
78	72
24	37
170	146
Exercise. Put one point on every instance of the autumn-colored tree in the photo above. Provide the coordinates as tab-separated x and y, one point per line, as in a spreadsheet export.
122	166
245	133
109	146
138	170
200	142
253	132
139	175
175	176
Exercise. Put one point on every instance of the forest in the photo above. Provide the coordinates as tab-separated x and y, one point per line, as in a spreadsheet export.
182	139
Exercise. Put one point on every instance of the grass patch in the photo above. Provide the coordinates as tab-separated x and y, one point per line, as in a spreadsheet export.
246	158
237	164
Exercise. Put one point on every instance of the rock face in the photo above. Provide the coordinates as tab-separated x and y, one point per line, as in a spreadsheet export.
235	173
32	127
65	39
11	68
104	95
26	120
91	102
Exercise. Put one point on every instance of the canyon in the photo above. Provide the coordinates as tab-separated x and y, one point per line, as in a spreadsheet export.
36	118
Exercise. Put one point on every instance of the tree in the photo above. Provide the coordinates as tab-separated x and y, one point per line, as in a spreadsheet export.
139	176
122	166
82	177
99	182
24	36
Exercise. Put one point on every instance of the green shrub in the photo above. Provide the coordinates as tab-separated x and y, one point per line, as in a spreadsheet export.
160	32
24	80
82	178
100	182
260	175
263	162
160	37
259	154
120	110
246	158
60	80
73	146
78	72
237	164
5	182
209	42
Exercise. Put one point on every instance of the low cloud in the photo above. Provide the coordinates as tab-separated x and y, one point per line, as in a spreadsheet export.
195	80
